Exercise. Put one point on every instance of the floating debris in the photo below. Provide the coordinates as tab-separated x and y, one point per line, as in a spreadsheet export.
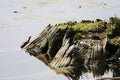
15	11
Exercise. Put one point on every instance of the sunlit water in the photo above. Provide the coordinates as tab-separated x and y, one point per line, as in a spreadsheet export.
31	17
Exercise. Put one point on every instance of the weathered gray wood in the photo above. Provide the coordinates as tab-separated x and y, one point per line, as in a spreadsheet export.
67	53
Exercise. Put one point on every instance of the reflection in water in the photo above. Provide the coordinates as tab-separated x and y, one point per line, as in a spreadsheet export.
100	69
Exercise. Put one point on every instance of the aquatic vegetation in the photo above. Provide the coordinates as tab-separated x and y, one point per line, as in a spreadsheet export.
82	26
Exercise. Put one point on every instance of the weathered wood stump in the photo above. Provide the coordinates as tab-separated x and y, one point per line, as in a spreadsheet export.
74	48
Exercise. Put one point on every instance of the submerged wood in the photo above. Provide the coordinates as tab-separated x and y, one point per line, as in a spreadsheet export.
73	52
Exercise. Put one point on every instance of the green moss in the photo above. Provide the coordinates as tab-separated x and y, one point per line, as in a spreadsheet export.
82	26
63	26
109	29
77	36
115	41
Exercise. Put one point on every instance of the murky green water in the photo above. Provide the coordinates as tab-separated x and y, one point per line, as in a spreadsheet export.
31	18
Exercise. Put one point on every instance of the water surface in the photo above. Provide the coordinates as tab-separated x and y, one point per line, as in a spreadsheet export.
20	19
